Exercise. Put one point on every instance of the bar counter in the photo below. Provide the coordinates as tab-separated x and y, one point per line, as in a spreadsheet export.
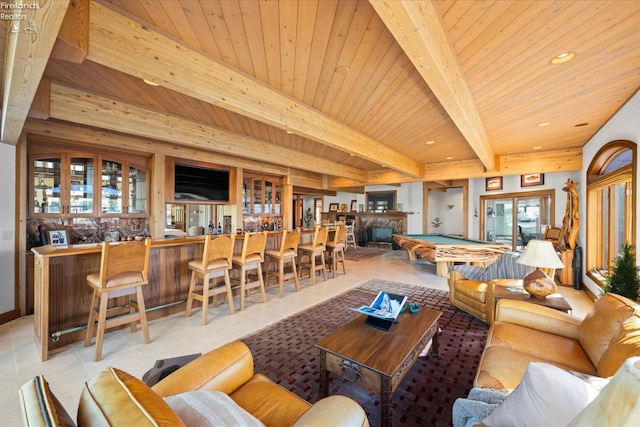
62	297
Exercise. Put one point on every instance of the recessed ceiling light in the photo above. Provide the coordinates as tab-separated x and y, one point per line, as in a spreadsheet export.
543	124
449	158
289	132
537	147
562	58
351	154
430	142
341	69
150	82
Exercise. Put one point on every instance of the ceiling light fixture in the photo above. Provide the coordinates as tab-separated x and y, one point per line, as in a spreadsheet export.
430	142
562	58
537	147
289	132
150	82
449	158
544	124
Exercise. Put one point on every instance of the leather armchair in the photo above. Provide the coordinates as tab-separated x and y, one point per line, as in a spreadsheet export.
116	398
469	286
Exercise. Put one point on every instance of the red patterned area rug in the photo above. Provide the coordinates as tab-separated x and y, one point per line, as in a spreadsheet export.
285	352
363	252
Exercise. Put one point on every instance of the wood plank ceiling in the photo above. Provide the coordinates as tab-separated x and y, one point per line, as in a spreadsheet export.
373	92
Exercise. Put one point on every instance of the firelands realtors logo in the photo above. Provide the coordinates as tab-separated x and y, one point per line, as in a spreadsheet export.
16	11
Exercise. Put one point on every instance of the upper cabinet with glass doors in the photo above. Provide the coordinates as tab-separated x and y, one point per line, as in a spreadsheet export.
123	188
63	185
87	185
261	196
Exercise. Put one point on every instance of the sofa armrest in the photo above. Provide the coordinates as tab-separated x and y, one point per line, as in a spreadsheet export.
224	369
334	411
537	317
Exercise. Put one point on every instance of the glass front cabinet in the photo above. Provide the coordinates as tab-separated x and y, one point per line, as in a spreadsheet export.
85	185
261	196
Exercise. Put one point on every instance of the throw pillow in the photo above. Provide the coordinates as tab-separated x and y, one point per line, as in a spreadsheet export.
547	395
210	408
41	407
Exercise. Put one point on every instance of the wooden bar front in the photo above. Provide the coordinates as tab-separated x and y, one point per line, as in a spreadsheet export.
62	298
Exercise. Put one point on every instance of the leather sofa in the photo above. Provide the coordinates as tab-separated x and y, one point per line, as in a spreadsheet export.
522	333
116	398
469	288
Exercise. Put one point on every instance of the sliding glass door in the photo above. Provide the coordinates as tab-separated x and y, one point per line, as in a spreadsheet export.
514	219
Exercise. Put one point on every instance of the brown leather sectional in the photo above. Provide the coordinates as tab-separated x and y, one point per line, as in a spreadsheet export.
116	398
524	333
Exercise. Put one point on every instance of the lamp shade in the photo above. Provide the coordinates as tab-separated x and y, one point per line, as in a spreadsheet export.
540	253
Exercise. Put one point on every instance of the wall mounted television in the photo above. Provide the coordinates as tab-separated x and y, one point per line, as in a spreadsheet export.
200	184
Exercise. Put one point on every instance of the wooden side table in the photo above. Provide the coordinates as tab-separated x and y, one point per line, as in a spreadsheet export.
555	301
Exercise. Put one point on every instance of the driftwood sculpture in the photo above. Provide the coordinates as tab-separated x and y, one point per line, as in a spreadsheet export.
571	220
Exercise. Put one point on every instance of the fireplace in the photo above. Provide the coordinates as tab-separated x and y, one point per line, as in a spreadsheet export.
380	234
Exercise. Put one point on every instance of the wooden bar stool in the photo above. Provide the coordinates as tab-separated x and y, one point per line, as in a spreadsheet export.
215	262
311	251
286	254
250	259
335	250
351	237
123	272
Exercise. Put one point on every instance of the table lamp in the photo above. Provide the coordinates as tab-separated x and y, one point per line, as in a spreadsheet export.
540	254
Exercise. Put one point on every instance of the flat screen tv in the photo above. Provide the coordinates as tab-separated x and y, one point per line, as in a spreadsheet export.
199	184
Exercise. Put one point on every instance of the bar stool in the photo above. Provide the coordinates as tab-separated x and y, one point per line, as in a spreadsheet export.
351	237
335	250
311	251
123	272
215	262
287	253
250	259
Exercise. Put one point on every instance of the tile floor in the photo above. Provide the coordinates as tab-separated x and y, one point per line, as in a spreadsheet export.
68	369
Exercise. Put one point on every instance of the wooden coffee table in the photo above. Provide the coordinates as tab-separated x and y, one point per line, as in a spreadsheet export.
375	359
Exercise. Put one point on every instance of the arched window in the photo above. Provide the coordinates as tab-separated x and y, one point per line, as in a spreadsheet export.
610	205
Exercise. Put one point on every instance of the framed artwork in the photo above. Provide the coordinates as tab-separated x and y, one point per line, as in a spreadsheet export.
493	183
354	206
58	238
531	179
333	207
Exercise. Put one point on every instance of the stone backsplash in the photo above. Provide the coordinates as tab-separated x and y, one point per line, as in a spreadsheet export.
85	230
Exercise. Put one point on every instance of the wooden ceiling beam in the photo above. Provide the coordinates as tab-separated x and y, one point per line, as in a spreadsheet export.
126	45
55	131
418	29
111	114
30	40
72	43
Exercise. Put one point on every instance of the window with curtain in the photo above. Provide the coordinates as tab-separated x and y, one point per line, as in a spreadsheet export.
610	202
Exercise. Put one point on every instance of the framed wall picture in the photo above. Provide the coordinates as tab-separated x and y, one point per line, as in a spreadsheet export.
493	183
531	179
58	238
354	206
333	207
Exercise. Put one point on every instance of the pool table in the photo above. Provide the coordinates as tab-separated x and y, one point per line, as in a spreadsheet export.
444	250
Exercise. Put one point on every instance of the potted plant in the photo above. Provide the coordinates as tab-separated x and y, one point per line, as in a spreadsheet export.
623	278
436	224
